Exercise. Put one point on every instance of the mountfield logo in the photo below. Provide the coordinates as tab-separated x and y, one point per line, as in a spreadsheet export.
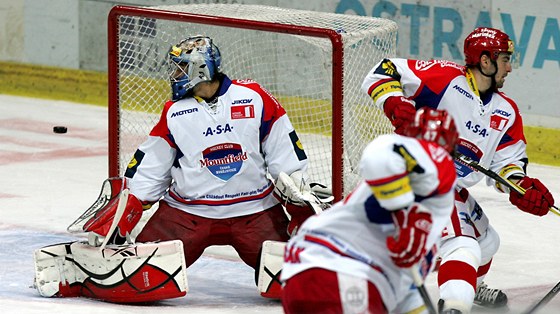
231	158
223	160
182	112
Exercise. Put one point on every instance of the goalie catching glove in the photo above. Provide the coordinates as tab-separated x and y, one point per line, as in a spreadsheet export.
413	227
102	221
536	200
98	218
299	199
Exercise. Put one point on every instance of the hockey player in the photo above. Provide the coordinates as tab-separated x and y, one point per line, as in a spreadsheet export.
355	257
208	159
491	133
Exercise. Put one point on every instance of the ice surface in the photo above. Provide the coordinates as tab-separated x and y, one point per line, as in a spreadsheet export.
48	179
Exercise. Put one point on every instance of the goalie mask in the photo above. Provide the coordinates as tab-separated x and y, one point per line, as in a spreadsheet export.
434	126
486	40
193	60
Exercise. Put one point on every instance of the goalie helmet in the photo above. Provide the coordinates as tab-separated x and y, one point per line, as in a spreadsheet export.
486	40
193	60
434	126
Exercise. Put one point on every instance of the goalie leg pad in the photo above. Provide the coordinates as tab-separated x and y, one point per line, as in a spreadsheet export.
270	268
144	272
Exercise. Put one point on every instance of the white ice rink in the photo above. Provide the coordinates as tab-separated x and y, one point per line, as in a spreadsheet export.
48	179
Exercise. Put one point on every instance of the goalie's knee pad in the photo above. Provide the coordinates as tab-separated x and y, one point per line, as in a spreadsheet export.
270	268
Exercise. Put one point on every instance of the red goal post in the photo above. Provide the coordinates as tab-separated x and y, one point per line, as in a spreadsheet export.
313	62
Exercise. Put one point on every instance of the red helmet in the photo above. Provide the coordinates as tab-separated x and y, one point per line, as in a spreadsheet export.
434	126
485	39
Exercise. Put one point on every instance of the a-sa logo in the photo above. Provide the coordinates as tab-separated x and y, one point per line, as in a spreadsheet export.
218	130
477	128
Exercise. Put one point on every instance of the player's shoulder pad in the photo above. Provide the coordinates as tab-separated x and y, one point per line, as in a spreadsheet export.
509	100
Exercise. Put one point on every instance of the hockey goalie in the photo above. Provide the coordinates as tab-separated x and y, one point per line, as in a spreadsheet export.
101	269
225	166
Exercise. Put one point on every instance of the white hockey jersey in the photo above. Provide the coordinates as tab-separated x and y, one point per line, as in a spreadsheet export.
350	237
490	128
213	163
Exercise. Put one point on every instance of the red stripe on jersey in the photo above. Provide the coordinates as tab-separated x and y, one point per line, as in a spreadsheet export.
436	74
515	133
444	165
221	202
333	248
383	181
456	223
272	109
161	129
374	86
457	270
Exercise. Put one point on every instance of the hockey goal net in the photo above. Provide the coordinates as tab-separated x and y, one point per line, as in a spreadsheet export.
313	62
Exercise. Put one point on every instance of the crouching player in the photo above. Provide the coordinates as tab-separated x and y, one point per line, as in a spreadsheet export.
358	257
210	163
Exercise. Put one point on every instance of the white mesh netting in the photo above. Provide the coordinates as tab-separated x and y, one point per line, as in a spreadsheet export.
297	69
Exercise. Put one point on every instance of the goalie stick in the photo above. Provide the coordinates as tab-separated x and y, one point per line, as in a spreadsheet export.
512	186
551	294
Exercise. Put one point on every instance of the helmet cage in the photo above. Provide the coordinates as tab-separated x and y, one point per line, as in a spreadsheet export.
435	126
192	61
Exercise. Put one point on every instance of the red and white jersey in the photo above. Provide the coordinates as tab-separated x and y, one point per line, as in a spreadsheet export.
213	162
351	236
489	126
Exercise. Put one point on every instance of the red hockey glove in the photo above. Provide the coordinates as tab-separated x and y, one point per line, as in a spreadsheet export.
103	219
400	111
536	200
414	225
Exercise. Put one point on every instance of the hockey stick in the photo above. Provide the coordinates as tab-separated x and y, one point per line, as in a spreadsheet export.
551	294
419	283
512	186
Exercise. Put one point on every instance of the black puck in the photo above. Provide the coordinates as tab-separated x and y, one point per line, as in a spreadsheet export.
60	129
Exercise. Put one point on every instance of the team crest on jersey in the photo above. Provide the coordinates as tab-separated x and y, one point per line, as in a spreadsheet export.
223	160
388	68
